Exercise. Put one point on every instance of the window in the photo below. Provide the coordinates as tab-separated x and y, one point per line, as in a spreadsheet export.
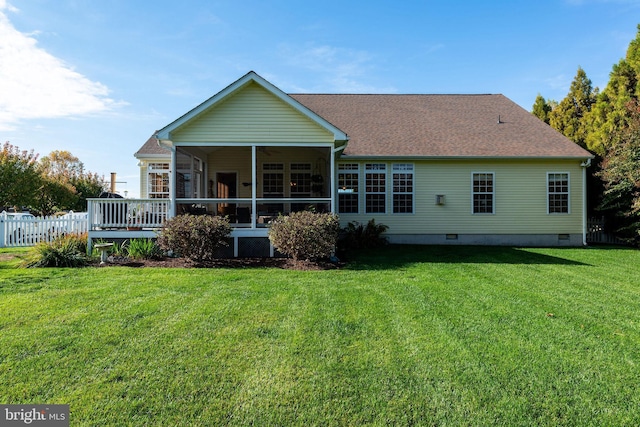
402	188
375	187
558	192
158	180
482	190
273	179
273	185
300	180
348	175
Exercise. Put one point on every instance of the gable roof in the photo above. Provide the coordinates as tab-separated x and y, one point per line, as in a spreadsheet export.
250	77
427	126
440	126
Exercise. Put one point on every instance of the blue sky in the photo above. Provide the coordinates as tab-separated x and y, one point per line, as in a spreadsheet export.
97	78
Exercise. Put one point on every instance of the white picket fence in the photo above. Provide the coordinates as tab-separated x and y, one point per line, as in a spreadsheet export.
31	231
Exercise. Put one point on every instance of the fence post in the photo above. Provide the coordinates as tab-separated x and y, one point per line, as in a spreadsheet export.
3	231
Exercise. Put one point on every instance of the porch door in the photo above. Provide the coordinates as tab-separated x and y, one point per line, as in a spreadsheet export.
227	188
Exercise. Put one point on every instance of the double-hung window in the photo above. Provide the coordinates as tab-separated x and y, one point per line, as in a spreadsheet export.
483	192
375	187
402	187
158	180
558	192
348	175
273	185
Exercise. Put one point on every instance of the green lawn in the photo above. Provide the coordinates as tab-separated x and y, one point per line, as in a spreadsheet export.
407	336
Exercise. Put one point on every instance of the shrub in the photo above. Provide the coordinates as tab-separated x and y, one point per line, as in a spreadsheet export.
305	235
358	236
144	249
66	251
196	237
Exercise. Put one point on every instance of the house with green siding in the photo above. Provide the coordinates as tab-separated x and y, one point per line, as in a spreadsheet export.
436	169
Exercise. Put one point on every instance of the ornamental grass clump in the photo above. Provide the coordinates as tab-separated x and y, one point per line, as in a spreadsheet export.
305	235
65	251
195	237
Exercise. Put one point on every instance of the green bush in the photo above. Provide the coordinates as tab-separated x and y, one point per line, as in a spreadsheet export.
66	251
196	237
144	249
305	235
358	236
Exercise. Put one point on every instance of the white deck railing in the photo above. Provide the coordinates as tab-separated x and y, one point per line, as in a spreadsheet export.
127	213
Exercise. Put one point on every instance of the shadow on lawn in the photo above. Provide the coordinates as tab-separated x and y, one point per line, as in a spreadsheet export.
394	256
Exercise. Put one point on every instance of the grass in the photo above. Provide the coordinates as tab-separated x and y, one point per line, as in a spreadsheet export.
406	336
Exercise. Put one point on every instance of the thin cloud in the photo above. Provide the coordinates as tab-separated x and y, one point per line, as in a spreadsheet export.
338	69
35	84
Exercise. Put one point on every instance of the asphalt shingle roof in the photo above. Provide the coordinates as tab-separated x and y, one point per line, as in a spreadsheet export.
446	126
439	126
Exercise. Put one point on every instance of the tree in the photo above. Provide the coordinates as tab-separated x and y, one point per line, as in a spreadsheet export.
567	117
609	115
65	184
621	175
541	109
19	176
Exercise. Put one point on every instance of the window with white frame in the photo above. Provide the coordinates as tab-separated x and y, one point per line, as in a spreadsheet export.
558	192
483	192
300	179
348	175
273	180
375	187
402	187
158	180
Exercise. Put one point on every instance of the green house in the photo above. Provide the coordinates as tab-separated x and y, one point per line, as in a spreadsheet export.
436	169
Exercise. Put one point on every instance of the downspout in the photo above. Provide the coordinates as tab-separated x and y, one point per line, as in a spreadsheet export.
584	166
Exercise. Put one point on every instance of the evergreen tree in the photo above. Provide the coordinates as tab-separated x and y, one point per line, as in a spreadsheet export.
568	116
541	109
609	115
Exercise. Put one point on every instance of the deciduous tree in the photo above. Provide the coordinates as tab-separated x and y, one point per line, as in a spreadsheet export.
19	176
621	174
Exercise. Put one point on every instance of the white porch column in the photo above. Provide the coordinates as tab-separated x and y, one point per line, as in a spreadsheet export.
172	183
333	185
254	186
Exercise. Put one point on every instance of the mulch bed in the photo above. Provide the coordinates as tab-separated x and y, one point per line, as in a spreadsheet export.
283	263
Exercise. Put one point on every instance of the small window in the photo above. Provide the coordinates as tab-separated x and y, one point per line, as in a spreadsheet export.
483	192
376	187
558	192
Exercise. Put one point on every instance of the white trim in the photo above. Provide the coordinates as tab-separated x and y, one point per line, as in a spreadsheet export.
568	212
493	193
413	187
386	186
